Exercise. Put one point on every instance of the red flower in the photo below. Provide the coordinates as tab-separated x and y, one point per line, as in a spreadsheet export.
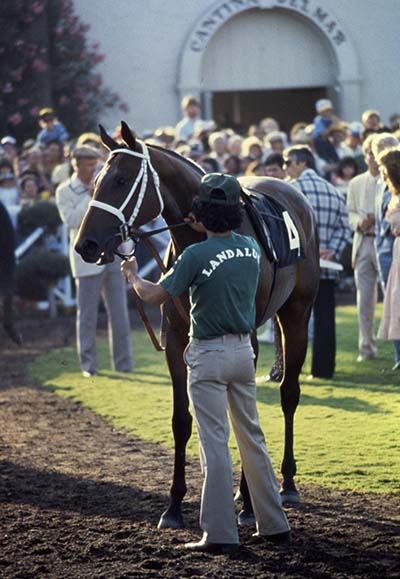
39	65
37	7
15	119
96	58
97	81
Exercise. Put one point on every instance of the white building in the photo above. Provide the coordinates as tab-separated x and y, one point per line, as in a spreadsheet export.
247	59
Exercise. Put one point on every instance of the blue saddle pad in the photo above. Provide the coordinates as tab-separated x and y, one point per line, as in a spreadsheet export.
279	234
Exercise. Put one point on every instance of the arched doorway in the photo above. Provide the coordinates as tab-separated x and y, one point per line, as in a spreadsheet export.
241	109
252	59
267	63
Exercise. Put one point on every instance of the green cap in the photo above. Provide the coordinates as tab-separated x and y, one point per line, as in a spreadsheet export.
220	189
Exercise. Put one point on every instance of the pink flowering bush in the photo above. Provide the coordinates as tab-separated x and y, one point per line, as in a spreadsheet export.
46	60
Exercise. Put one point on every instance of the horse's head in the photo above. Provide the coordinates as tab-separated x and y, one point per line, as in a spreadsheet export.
126	193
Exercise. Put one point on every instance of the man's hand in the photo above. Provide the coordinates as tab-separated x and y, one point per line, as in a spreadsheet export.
396	230
194	224
129	268
367	223
150	292
326	253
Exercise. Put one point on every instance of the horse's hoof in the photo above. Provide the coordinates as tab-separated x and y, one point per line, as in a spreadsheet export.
246	518
274	376
169	522
290	497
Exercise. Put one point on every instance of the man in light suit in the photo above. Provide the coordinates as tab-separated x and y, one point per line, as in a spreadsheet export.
93	281
361	195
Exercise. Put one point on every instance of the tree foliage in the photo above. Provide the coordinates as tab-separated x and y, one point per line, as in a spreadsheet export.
40	213
46	60
38	271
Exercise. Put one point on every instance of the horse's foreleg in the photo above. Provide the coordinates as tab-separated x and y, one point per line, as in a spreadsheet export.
293	318
181	428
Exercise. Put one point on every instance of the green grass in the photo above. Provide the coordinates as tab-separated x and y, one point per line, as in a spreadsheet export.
346	429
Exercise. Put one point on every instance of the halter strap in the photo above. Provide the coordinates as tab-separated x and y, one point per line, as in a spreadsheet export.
142	179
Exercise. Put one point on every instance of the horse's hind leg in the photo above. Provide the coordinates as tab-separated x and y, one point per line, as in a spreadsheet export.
293	318
181	427
246	516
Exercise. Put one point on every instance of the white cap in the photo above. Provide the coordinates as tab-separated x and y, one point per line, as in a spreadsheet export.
202	125
8	140
356	128
275	136
323	105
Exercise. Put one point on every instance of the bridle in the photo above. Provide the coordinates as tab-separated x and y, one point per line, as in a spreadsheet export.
141	179
125	228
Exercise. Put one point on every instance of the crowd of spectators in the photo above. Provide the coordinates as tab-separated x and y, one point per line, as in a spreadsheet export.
33	170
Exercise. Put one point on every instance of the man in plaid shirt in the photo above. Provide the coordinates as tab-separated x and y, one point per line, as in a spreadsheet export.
334	233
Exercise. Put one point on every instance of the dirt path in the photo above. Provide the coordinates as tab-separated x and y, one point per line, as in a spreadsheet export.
79	499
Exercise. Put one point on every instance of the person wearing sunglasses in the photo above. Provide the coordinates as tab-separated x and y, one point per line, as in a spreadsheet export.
334	233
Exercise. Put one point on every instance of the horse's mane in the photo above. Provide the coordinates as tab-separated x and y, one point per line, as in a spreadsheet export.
189	162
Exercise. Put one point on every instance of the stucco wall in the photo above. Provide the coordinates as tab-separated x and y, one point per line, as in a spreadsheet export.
144	39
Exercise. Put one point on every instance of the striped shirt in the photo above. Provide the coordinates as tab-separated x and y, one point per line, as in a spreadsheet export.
331	214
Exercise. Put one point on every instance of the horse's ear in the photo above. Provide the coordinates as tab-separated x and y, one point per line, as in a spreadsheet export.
128	136
108	141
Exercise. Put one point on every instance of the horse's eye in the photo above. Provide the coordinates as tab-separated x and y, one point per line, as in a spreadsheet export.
120	180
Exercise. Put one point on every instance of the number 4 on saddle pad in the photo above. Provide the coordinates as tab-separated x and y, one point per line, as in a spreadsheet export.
275	228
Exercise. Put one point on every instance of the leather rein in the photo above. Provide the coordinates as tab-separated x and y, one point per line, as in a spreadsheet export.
144	235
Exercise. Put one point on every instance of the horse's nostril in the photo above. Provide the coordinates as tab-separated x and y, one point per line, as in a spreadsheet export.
89	248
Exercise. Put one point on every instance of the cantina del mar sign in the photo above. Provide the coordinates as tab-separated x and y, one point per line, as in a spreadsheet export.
222	11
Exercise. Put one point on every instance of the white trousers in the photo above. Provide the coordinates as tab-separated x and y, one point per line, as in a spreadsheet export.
366	280
221	378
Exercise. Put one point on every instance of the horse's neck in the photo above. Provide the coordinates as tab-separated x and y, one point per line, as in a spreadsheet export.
179	186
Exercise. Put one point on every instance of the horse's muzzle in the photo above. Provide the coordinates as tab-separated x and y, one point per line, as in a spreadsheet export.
91	252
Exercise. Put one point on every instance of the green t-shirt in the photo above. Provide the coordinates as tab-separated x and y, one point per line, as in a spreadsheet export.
221	274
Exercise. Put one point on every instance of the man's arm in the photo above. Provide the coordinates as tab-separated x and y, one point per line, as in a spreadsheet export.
358	218
352	205
342	233
152	293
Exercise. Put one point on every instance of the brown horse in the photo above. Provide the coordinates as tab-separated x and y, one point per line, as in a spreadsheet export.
139	182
